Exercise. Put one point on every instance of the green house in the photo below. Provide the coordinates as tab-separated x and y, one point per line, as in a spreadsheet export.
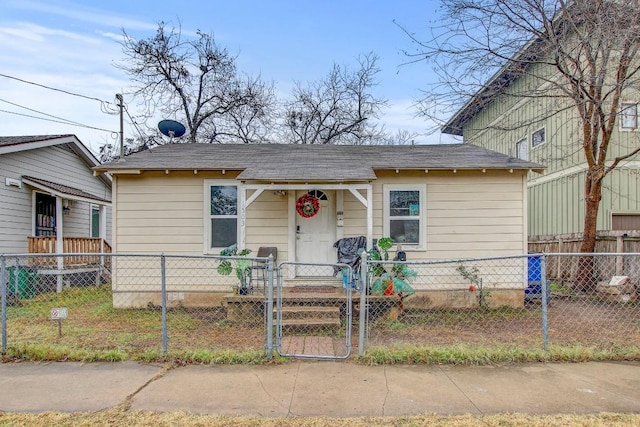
506	116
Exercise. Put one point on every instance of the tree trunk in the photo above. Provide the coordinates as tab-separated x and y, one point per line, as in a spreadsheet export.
586	279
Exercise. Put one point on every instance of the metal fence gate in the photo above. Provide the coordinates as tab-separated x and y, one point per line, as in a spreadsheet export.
313	318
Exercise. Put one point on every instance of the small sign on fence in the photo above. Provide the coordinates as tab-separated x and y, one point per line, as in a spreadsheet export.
59	313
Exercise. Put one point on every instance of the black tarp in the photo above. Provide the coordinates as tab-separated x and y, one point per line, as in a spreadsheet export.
349	251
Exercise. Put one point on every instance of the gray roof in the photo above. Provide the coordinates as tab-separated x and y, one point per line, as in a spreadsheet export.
10	144
15	140
281	162
63	189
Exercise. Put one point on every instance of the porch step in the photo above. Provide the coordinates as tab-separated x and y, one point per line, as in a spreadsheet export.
310	317
314	311
311	323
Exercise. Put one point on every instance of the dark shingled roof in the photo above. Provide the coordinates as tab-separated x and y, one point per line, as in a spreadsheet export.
281	162
15	140
64	189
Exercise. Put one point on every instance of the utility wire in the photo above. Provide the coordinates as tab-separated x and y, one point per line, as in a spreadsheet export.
57	121
43	113
133	122
54	89
105	106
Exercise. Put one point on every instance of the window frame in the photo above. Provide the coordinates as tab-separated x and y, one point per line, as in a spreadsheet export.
208	183
624	106
524	142
422	217
93	208
41	226
539	144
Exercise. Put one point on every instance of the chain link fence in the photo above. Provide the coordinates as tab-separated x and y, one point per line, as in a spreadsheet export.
133	304
137	305
529	302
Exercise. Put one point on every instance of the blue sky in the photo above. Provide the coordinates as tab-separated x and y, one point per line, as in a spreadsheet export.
72	46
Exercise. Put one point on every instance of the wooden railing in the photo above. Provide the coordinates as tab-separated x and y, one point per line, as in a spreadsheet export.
47	245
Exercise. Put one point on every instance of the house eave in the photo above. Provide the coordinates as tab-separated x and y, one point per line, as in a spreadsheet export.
65	192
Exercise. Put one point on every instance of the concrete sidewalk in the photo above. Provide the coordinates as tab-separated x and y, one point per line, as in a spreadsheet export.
334	389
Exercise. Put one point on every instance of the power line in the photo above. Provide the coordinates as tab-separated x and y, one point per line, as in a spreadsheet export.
133	122
43	113
54	89
58	121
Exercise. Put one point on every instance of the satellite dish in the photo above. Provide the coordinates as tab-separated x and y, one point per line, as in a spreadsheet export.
172	128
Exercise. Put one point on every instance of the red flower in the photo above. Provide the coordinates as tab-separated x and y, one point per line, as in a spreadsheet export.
472	288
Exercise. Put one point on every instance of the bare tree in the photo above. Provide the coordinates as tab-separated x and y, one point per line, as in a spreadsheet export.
340	109
196	81
110	152
579	58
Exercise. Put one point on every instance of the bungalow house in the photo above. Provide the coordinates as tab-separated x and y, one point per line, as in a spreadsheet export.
50	199
439	201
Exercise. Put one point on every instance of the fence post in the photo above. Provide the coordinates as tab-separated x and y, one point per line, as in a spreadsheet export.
545	296
165	337
363	302
620	257
269	308
3	297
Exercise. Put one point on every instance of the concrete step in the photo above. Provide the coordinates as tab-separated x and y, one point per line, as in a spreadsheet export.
310	323
307	311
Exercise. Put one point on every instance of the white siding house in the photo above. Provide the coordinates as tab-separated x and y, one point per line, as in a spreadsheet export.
48	192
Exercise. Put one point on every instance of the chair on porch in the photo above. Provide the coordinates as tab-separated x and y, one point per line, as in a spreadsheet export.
261	268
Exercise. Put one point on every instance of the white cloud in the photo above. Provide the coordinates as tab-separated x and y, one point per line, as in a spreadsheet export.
401	116
71	61
82	13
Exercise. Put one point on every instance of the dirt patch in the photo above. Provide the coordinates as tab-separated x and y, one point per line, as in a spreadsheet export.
585	321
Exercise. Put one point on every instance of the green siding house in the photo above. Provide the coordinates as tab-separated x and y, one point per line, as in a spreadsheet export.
547	131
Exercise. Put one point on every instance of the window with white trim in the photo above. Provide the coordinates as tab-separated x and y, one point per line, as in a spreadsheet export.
538	137
522	149
222	214
95	221
404	214
628	116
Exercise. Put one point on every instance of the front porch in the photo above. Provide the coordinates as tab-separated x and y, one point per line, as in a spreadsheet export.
307	307
69	245
90	268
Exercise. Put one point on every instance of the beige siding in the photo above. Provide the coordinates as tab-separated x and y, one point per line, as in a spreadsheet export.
355	216
165	213
157	212
468	214
268	224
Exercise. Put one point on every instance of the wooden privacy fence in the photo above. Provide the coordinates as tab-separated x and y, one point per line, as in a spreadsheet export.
610	242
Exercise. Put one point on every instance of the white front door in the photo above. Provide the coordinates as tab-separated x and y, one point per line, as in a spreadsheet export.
315	236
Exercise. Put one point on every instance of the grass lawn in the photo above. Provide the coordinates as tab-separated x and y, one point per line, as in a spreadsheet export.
130	418
95	331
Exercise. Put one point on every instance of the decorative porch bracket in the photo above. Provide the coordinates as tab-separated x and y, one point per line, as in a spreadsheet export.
246	200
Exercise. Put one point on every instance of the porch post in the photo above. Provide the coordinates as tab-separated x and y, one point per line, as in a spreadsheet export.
103	224
59	242
102	233
369	217
242	194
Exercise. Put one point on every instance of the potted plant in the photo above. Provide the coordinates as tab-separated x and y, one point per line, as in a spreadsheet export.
394	281
242	267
